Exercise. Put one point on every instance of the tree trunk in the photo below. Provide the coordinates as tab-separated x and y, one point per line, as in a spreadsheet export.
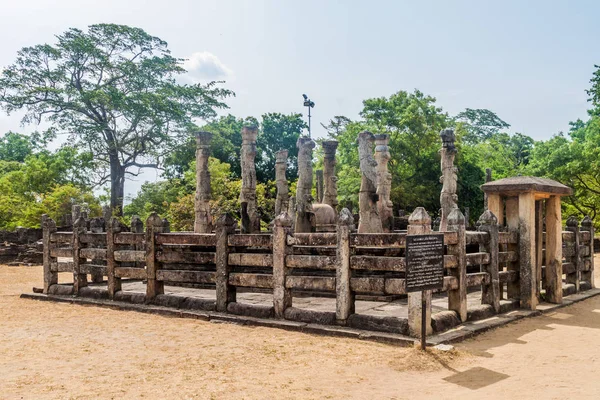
117	186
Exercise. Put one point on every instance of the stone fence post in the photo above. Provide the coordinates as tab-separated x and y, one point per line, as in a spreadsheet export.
137	226
490	292
282	297
588	275
79	276
225	292
575	259
154	287
344	306
457	298
48	228
114	283
419	224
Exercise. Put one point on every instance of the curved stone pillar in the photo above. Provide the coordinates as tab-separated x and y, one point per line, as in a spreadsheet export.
369	220
448	197
384	182
250	218
329	178
203	219
282	200
305	221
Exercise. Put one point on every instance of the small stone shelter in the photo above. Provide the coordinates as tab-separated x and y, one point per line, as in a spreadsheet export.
523	203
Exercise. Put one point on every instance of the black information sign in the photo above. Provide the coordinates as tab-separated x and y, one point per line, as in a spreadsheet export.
424	262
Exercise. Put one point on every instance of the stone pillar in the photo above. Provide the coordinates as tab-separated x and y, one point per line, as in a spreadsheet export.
448	197
527	274
203	220
588	275
488	178
384	182
305	218
319	176
329	178
283	196
344	305
282	296
107	215
457	298
48	228
225	292
114	282
292	211
495	204
154	287
553	276
419	224
79	276
137	226
490	292
75	212
250	218
573	278
369	220
513	289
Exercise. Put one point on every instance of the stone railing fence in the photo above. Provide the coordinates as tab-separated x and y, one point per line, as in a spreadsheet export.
342	264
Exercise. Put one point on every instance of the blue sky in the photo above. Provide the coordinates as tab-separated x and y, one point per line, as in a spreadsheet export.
528	61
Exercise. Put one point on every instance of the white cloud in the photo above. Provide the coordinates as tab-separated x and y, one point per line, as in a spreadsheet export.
205	66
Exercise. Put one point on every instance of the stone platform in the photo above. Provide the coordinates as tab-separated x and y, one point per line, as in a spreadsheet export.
396	309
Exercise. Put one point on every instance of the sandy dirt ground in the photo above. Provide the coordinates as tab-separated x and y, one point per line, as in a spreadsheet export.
63	351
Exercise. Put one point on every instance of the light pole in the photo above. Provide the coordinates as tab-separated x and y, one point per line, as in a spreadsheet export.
310	104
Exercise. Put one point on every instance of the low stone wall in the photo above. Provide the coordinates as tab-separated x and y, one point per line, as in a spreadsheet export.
22	246
341	264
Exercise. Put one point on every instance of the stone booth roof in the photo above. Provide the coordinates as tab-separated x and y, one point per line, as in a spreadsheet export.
521	184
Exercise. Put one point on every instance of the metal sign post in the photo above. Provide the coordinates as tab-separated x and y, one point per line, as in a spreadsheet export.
424	270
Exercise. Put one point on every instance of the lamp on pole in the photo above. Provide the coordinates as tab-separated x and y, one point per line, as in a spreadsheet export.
310	104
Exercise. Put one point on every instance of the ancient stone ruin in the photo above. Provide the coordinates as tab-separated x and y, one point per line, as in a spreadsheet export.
512	261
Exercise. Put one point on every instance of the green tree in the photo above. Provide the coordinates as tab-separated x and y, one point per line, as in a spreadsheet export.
15	147
574	160
594	92
480	124
114	89
278	132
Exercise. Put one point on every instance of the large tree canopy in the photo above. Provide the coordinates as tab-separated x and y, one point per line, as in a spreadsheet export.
113	88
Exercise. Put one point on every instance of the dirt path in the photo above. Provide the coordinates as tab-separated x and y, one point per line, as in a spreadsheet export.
51	350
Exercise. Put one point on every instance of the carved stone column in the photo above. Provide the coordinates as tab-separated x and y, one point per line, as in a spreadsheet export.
203	220
448	197
329	178
369	220
319	176
282	200
305	220
384	182
250	219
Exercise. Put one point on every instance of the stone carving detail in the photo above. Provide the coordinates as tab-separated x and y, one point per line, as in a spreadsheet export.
250	217
448	197
305	220
203	219
384	182
369	219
